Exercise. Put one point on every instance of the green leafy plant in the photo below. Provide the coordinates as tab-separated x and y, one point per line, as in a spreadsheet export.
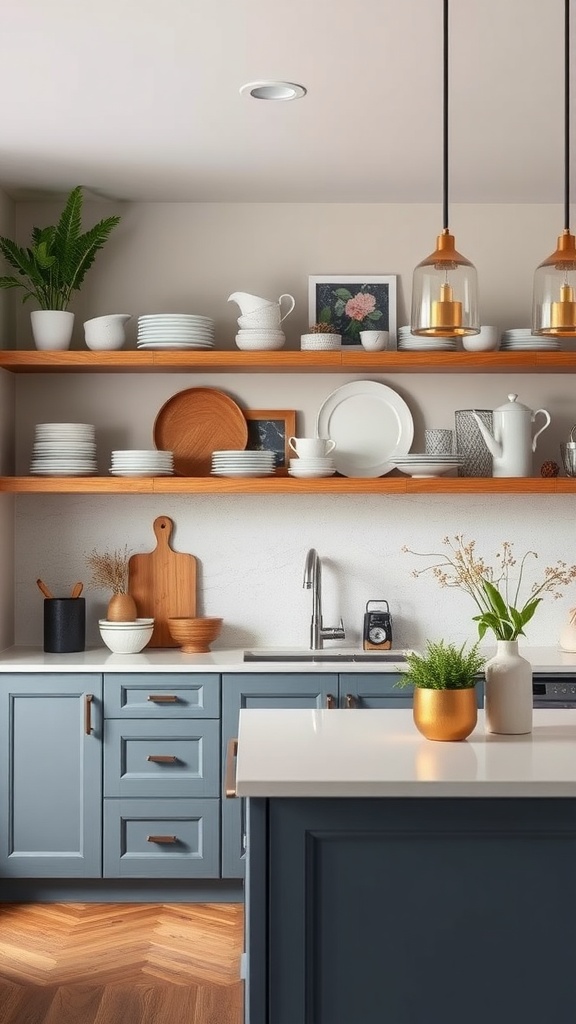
496	595
443	667
58	257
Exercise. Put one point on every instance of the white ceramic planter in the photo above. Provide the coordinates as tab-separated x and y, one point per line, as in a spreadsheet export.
52	328
508	691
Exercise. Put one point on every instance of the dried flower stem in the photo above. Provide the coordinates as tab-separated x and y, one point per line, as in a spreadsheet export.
110	569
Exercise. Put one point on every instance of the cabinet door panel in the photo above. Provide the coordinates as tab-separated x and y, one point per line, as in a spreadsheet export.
162	695
152	758
259	690
161	838
51	787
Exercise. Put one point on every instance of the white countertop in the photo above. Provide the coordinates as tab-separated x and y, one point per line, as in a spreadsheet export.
99	659
318	753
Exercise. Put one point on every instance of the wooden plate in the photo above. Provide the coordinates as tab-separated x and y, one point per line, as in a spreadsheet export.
196	422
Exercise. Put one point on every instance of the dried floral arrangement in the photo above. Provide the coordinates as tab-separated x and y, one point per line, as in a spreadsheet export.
494	589
109	569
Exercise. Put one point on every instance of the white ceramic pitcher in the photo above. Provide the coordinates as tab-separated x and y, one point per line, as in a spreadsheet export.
255	309
512	444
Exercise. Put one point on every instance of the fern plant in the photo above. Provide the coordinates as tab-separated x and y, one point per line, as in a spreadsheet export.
56	262
443	667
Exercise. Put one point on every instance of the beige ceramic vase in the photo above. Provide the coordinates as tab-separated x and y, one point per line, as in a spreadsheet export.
121	608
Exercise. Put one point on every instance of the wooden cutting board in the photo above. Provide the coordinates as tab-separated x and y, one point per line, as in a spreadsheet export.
163	583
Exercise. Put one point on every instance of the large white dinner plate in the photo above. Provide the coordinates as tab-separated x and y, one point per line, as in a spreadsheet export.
370	424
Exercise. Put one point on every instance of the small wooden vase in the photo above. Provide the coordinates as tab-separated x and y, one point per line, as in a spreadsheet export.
121	608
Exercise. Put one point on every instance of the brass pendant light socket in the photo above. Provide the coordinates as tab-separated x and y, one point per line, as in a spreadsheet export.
446	313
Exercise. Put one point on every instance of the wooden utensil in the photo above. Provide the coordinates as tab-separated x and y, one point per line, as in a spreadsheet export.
44	590
196	422
77	589
163	584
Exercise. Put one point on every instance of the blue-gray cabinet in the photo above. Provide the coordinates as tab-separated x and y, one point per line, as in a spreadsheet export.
289	690
51	775
161	775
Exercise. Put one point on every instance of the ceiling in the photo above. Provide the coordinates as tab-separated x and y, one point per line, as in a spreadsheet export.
139	100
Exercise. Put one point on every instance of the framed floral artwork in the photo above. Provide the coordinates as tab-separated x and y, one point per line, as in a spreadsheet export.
354	303
271	429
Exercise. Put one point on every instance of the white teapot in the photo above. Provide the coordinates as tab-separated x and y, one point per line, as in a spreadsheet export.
512	445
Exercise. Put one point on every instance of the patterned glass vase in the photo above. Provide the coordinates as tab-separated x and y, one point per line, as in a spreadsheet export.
508	691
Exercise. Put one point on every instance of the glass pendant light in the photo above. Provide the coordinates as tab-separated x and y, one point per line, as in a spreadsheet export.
445	284
554	294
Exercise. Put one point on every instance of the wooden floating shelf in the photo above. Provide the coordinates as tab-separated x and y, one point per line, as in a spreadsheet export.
287	485
340	361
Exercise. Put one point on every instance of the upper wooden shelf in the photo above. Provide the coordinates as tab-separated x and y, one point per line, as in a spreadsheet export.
341	361
286	485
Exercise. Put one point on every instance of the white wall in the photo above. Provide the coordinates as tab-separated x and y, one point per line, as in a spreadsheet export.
7	328
251	552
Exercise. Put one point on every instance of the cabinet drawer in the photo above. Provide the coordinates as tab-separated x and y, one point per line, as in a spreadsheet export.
161	839
161	695
162	759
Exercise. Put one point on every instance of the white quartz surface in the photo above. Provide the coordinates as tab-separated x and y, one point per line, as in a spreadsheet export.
342	753
33	659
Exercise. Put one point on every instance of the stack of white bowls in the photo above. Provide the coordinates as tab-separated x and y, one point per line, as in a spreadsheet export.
310	466
141	462
243	463
64	449
175	331
260	328
126	637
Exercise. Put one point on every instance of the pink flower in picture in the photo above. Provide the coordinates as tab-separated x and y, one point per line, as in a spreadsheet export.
360	305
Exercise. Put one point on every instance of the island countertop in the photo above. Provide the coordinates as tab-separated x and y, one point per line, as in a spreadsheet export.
380	753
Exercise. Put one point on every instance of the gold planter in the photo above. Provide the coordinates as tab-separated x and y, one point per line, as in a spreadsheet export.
445	714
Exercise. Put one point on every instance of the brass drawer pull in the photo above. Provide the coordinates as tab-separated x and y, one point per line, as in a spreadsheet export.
89	697
162	758
330	700
162	698
231	754
351	701
162	839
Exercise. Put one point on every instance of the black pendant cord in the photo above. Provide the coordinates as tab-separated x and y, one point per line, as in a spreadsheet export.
445	119
567	116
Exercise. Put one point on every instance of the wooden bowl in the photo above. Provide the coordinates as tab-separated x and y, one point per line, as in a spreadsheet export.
194	636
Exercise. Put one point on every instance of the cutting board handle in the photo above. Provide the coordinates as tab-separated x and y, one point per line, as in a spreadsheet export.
163	526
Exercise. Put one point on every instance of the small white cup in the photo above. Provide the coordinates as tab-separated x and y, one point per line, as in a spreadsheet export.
106	332
311	447
486	340
374	341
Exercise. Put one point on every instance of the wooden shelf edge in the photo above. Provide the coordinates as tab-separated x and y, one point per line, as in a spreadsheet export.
286	485
284	361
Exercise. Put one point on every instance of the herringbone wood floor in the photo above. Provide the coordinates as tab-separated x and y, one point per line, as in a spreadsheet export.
87	963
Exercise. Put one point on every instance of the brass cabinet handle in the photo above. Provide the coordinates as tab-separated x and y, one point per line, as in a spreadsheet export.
162	698
231	754
88	698
162	839
351	701
162	758
330	700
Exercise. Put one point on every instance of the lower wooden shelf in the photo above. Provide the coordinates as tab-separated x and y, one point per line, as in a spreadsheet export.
286	485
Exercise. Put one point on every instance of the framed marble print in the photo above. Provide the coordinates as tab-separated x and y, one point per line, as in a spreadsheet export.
271	429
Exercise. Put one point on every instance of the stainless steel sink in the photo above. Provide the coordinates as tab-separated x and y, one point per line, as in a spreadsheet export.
273	654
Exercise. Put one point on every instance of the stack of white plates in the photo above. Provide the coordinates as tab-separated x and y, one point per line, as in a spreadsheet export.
521	339
309	467
422	464
64	449
140	462
175	331
414	343
243	463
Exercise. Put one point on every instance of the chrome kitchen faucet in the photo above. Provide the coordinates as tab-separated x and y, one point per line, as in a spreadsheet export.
313	582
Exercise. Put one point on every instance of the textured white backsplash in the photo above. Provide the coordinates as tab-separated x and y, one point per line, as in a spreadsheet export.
251	556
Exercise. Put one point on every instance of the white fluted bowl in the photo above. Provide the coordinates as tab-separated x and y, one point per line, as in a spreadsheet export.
126	637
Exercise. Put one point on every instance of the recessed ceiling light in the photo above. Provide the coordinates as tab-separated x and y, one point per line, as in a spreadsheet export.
273	90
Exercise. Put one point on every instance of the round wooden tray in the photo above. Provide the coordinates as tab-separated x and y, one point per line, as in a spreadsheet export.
196	422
